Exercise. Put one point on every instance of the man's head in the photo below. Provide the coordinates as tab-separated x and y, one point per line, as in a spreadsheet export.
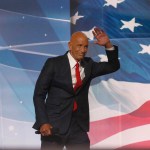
78	45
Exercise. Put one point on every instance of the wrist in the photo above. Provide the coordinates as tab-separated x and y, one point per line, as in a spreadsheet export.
108	45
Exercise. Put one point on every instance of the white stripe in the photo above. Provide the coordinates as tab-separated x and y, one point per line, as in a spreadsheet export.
130	136
99	111
127	95
31	52
15	48
47	18
31	44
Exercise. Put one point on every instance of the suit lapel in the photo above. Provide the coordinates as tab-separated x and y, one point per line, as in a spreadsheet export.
68	77
68	74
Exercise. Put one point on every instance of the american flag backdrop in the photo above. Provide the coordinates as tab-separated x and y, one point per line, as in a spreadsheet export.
33	30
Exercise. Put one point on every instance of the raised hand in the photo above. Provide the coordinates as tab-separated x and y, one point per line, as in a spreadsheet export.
102	38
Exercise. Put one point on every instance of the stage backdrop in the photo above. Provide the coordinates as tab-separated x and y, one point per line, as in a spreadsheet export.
33	30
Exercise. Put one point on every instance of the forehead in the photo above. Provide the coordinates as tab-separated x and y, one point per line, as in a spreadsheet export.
79	40
78	36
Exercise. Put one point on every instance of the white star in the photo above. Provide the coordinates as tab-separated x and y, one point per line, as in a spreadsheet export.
113	2
146	49
75	18
103	58
89	34
130	24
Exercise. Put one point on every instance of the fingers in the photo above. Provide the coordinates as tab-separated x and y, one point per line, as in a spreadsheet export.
46	132
101	37
97	31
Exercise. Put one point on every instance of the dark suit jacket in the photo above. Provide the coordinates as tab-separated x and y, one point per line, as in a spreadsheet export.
54	94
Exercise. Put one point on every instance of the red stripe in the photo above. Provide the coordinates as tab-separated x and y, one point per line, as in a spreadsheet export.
102	129
136	146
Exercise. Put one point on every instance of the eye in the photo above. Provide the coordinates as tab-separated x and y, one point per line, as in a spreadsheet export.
80	45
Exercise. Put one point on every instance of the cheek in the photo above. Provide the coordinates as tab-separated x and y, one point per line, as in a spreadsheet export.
76	50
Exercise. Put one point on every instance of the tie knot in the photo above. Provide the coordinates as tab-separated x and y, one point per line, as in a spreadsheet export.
77	65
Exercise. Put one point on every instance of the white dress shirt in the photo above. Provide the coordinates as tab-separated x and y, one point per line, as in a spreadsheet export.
72	63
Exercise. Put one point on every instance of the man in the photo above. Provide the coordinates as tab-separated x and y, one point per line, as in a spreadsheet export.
61	93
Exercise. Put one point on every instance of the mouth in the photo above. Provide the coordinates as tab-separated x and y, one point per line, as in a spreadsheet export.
82	55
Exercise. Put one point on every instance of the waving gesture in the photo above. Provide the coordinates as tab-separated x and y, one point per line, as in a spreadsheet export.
102	38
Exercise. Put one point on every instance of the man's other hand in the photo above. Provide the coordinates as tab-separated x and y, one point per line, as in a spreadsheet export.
45	129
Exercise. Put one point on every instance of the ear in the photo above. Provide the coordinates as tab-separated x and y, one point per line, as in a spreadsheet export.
70	45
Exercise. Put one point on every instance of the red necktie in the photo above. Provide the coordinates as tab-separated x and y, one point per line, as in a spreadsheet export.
78	83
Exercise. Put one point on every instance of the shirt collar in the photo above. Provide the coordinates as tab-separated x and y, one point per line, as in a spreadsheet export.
72	61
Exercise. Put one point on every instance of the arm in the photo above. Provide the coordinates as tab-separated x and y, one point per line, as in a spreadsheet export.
41	89
113	64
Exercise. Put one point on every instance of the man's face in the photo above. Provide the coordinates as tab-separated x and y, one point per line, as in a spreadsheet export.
78	47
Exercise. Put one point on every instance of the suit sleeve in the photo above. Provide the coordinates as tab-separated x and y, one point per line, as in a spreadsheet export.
102	68
41	89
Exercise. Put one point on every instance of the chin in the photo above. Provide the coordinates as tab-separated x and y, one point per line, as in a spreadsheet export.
81	59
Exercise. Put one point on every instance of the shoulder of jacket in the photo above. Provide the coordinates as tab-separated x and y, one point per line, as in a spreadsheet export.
57	58
87	59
